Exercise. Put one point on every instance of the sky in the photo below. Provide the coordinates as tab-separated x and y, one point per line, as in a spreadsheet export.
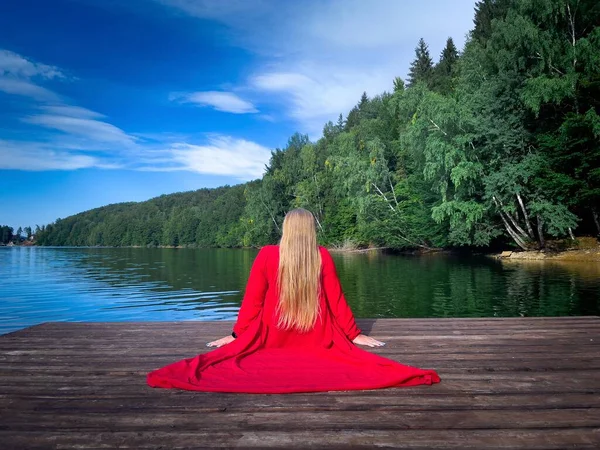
107	101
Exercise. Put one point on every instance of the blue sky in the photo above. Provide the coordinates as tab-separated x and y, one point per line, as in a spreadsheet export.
106	101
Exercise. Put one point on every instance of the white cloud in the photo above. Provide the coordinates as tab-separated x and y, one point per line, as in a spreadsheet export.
26	88
222	155
94	130
316	98
16	73
318	57
62	136
35	156
221	101
72	111
80	128
12	64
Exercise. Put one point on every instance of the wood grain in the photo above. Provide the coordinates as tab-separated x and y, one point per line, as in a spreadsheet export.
521	383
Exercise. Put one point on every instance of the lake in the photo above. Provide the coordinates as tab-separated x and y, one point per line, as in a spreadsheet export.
137	284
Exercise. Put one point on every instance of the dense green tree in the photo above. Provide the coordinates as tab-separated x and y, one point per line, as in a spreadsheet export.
444	72
6	234
485	12
421	69
500	143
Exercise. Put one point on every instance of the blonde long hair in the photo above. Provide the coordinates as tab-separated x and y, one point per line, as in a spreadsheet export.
299	272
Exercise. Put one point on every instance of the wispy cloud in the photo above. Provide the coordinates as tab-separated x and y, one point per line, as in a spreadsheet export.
313	97
36	156
15	65
221	101
63	136
17	74
63	131
221	155
317	57
72	111
92	129
26	88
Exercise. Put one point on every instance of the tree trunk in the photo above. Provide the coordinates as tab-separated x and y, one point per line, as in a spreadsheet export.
596	219
395	211
517	227
540	230
573	43
571	235
521	240
527	222
512	233
318	223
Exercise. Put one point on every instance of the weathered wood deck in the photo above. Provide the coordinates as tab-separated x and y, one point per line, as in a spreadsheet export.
506	383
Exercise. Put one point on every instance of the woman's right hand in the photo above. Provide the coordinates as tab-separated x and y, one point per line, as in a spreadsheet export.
361	339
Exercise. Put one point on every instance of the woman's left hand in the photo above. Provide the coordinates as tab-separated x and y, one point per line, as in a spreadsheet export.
221	342
361	339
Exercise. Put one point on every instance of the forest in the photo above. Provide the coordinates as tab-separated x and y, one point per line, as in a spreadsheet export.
497	144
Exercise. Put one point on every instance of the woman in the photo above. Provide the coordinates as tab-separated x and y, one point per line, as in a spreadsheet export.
294	332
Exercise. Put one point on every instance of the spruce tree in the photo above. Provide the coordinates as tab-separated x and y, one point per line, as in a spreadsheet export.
364	101
398	84
421	69
485	12
444	71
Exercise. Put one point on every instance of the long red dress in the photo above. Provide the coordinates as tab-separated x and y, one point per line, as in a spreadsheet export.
266	359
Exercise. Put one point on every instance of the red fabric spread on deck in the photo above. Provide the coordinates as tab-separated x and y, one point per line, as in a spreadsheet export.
266	359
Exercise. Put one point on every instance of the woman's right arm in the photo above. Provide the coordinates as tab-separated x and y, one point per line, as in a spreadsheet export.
254	296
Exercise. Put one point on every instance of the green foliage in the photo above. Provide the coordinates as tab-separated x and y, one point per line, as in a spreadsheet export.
6	234
444	73
421	69
200	218
499	142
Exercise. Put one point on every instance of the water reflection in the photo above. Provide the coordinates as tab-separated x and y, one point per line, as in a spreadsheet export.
448	286
92	284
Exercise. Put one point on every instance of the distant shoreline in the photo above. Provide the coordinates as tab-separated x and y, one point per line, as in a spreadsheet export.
590	254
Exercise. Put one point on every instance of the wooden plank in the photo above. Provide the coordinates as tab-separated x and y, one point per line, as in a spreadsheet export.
506	383
325	421
480	365
396	325
120	385
559	439
377	400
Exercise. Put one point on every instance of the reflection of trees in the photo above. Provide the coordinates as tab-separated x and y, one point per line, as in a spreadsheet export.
446	286
376	285
167	269
547	288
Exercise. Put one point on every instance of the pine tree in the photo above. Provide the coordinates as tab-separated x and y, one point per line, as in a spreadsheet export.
364	101
352	119
421	69
485	12
444	71
398	84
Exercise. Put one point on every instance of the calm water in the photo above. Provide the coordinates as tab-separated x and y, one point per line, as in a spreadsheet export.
108	284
